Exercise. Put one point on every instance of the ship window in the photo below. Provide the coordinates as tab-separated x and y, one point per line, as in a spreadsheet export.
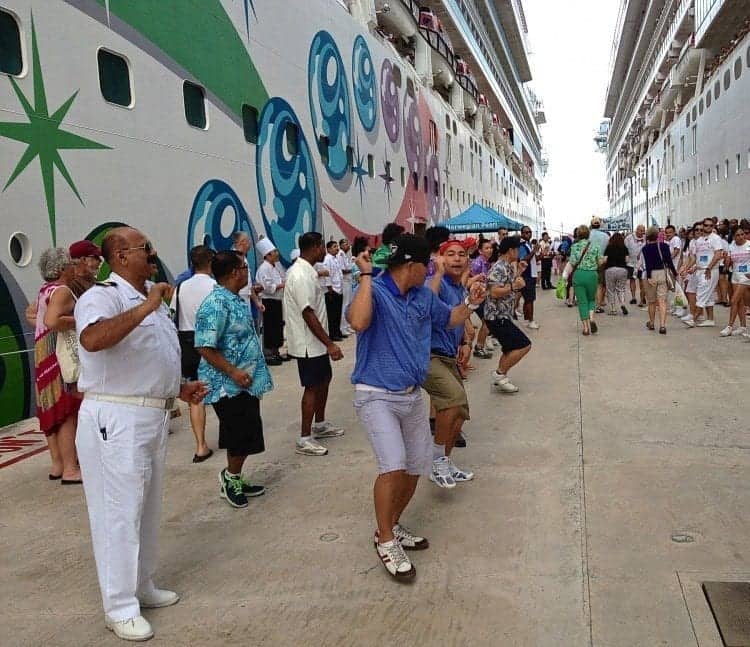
250	123
700	106
687	120
726	169
114	78
403	176
195	105
727	80
415	180
717	90
350	158
455	128
443	194
747	59
447	122
291	138
436	187
323	144
682	148
424	184
19	248
11	56
397	76
737	68
739	163
717	172
708	177
701	180
695	140
695	115
708	99
370	166
451	194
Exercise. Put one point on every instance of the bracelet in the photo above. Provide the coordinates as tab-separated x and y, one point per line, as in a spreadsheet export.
365	273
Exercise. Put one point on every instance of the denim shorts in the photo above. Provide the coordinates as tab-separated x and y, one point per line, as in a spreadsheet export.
398	430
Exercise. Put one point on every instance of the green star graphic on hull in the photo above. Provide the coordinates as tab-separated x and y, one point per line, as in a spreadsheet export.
44	137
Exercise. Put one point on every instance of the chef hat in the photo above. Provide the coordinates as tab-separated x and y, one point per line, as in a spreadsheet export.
265	246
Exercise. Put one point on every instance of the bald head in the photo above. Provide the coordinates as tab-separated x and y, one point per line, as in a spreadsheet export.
117	238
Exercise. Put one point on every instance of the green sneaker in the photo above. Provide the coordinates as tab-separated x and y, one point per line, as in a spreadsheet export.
232	489
249	489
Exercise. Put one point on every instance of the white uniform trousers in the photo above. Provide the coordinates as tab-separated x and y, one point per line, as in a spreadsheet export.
122	451
705	289
347	293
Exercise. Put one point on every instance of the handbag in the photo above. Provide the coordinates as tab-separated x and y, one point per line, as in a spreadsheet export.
66	350
668	276
574	267
561	289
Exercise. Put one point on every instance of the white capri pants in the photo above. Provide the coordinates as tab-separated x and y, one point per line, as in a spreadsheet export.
122	450
398	430
705	289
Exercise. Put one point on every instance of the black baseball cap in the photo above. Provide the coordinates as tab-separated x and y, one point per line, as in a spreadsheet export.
408	248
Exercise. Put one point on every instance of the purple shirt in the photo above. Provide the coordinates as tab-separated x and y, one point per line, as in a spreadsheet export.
480	265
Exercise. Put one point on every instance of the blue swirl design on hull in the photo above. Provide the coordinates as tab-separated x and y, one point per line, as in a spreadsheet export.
287	186
365	84
328	93
215	204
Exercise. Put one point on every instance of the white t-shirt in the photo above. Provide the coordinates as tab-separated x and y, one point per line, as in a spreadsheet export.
704	249
303	290
634	245
335	278
190	293
740	255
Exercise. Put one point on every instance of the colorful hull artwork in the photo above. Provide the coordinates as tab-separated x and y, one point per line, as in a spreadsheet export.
311	123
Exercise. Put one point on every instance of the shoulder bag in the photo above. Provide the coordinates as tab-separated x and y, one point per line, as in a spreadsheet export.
668	276
66	351
574	267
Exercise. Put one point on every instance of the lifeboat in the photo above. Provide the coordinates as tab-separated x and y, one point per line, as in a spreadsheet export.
396	18
440	44
496	133
463	71
484	113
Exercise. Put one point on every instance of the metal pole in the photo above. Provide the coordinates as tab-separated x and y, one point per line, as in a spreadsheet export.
647	220
632	221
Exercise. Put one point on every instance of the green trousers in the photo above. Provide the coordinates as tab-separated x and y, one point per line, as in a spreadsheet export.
584	285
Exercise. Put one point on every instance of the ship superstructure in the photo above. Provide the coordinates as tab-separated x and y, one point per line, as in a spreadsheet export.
678	137
191	119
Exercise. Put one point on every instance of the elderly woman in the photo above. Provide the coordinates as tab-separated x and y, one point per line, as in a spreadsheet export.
657	258
584	261
57	403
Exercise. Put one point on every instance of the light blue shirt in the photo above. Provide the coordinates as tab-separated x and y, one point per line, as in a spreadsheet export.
223	322
394	352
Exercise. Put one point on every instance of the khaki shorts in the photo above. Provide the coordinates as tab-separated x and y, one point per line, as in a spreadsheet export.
658	291
445	386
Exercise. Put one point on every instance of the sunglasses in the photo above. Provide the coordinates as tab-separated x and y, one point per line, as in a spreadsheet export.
146	247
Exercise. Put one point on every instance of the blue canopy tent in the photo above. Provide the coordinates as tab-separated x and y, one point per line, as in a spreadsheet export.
479	219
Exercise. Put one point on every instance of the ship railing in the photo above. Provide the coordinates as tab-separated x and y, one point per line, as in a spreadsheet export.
657	50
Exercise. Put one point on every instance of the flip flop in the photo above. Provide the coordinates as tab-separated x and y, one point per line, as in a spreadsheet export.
53	477
71	482
200	459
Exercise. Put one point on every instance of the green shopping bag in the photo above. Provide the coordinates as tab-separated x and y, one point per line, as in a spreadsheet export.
561	291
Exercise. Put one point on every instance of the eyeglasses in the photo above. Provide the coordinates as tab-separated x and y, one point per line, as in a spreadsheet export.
146	247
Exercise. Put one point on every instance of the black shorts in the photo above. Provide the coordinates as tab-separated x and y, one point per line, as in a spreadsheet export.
189	357
314	370
508	334
632	274
723	271
240	425
529	290
480	311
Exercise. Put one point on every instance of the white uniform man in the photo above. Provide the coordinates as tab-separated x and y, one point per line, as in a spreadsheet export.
346	262
271	277
130	376
703	265
333	284
675	250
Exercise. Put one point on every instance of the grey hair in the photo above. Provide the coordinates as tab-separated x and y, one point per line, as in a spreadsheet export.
52	262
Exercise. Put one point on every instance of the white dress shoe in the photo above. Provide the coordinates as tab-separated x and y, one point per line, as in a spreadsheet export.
136	629
158	598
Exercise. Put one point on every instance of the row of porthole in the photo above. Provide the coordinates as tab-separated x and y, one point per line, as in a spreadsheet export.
698	108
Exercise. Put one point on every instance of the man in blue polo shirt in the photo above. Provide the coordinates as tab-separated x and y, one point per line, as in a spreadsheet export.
393	316
444	383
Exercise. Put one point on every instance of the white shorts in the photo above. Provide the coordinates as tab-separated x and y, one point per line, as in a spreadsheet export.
705	293
692	282
740	279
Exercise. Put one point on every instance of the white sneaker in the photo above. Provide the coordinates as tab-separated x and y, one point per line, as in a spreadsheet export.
394	559
689	322
326	429
533	325
679	312
519	314
746	335
503	384
158	598
309	447
739	331
459	475
726	332
441	474
407	539
700	319
706	323
686	317
136	629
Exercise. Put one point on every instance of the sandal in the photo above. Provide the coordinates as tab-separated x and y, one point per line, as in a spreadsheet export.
650	325
662	330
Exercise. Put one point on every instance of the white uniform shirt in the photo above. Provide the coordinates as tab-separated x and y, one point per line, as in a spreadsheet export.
704	249
346	263
302	291
270	276
335	278
145	363
190	293
635	245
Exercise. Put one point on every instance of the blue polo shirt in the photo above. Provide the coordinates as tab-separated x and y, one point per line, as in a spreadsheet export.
394	352
446	340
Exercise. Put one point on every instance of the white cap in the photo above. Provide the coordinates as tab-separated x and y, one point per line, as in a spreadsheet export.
265	246
294	255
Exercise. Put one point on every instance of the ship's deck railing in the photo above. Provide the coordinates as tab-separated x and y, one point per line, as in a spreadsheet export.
656	52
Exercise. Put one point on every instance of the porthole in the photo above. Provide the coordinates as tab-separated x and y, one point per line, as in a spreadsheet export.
114	78
19	248
11	53
717	90
727	80
194	98
708	99
700	106
737	68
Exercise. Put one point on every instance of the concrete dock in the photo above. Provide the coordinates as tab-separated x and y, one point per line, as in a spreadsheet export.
606	492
